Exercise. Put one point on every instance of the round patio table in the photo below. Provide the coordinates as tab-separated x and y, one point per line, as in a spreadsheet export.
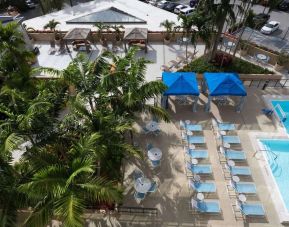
223	133
242	198
195	161
231	163
262	57
155	154
226	145
152	126
197	177
192	146
236	179
142	185
189	133
200	196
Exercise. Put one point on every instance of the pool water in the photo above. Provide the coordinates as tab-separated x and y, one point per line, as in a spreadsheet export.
278	157
284	104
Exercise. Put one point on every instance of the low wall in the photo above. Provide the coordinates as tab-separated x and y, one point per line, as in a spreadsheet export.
110	36
245	77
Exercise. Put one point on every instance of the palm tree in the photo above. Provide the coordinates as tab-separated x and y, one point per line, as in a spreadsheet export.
100	28
14	68
64	188
169	26
117	29
51	25
219	14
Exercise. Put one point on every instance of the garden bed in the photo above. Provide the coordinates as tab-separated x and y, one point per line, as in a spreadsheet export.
200	65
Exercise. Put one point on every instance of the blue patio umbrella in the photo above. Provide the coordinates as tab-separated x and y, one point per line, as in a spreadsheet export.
181	83
224	84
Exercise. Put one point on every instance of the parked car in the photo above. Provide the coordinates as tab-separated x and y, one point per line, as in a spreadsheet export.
193	3
284	5
171	6
261	18
162	4
179	7
30	4
270	27
187	11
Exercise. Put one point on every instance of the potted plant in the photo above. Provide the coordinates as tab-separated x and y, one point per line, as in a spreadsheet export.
100	28
52	26
118	32
169	26
243	47
281	61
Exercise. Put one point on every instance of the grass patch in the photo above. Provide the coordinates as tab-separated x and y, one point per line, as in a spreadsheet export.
200	65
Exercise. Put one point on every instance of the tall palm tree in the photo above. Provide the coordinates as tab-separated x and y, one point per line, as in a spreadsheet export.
51	25
169	26
219	13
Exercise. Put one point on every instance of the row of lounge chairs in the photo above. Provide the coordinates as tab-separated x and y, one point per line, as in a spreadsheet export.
198	171
200	175
180	62
230	150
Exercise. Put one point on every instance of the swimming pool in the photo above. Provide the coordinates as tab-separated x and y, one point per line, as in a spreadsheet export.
281	108
278	160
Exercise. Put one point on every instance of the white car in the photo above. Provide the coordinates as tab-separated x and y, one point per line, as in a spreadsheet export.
161	4
187	11
270	27
180	7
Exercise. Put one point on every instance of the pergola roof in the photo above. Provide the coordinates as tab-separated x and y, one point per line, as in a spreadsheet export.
77	34
135	34
180	83
224	84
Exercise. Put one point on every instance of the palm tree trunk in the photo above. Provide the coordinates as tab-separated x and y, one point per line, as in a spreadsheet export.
218	36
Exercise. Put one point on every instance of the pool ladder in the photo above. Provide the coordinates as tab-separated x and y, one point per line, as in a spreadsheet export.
283	114
275	156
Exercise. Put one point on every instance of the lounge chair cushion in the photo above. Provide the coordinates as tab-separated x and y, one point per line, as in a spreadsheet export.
196	128
199	169
207	206
245	188
205	187
226	127
240	170
231	139
235	155
196	139
252	209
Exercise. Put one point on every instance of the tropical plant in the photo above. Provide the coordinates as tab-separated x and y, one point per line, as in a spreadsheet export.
64	188
14	68
117	29
51	25
100	28
169	26
282	59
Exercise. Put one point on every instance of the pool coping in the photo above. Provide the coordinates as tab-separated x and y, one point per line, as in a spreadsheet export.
269	180
268	103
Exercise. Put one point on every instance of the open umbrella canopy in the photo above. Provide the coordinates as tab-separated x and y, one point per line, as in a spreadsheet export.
224	84
180	83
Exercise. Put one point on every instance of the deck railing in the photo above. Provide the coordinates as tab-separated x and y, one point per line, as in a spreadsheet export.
138	210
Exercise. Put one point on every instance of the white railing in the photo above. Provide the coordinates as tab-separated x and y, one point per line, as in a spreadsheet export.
283	114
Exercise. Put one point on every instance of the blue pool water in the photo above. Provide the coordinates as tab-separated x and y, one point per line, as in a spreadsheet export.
278	157
284	104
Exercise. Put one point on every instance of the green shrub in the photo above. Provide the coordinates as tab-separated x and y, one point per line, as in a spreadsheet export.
200	65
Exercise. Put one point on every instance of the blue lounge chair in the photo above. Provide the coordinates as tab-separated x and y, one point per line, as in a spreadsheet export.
251	209
153	187
244	187
196	139
240	170
207	206
235	155
226	127
197	153
231	139
204	187
199	169
194	128
139	196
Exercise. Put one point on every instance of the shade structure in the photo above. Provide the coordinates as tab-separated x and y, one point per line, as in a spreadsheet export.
181	83
220	84
135	34
77	34
223	84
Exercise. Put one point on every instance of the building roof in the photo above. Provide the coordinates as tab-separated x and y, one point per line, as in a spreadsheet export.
129	13
77	34
135	33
